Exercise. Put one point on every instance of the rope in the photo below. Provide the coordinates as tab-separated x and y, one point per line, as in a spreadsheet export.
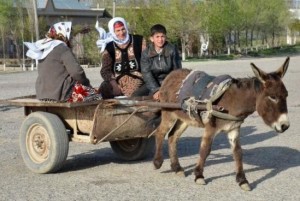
111	132
152	133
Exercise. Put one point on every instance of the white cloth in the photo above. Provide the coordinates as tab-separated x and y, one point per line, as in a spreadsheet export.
105	38
63	28
41	48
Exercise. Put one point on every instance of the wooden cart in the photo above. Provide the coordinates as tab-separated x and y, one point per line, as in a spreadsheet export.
48	127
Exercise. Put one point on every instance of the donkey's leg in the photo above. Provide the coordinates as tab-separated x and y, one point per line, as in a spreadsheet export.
205	149
173	138
234	140
166	124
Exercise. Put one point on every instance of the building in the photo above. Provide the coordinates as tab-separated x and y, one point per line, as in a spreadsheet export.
79	12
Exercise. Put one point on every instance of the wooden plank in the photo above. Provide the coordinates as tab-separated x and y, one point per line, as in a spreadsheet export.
33	102
37	103
127	102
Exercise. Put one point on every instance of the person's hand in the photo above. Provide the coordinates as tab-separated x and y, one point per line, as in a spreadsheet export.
116	89
156	96
97	90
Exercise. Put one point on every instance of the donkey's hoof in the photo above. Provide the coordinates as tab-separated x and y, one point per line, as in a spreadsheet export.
200	181
180	173
157	164
246	187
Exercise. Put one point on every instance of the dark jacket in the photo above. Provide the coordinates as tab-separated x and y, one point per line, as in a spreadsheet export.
155	67
57	74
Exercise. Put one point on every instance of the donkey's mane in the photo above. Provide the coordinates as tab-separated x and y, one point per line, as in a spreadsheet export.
248	83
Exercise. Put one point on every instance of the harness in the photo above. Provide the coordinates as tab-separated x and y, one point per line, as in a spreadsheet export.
201	88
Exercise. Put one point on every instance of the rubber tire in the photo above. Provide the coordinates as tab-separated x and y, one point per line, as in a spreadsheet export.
141	148
49	128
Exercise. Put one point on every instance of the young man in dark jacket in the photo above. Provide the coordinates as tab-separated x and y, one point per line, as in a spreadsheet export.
158	60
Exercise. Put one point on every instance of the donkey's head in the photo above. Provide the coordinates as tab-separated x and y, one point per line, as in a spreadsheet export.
271	102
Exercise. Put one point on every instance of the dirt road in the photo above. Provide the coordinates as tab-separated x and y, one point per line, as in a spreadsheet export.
93	172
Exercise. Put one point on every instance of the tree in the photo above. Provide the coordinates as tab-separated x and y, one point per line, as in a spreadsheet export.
183	20
273	18
5	10
141	17
16	21
293	29
90	49
215	22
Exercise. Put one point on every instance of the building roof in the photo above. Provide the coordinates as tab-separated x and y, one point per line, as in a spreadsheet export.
77	11
65	4
69	8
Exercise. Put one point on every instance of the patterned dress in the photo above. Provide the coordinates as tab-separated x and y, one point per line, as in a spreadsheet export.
122	64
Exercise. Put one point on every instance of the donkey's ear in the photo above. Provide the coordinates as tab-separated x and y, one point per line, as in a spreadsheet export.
260	74
282	70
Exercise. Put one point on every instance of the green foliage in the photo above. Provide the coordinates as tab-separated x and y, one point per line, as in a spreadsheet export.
217	57
140	18
6	11
277	51
294	26
90	49
234	24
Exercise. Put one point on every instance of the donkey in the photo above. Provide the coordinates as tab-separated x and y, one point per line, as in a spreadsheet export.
264	93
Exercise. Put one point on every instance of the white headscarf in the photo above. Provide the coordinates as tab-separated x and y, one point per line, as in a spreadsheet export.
41	48
105	38
63	28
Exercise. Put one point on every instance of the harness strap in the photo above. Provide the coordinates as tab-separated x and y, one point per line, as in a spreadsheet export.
210	112
226	116
191	106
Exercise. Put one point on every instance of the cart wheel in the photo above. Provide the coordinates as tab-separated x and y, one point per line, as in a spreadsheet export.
44	142
133	149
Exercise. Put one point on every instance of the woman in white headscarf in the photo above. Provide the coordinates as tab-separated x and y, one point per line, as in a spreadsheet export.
121	56
60	76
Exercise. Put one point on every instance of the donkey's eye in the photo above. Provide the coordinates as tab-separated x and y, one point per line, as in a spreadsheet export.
273	99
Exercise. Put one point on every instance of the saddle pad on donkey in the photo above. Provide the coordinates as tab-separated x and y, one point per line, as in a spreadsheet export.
200	85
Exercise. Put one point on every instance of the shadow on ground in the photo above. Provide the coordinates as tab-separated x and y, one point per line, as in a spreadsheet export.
4	108
276	158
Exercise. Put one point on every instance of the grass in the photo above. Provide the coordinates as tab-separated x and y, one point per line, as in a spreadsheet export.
206	58
276	51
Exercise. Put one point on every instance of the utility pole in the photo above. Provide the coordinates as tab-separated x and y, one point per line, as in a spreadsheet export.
36	23
114	8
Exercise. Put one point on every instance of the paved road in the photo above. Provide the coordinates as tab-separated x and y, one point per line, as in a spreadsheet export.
93	172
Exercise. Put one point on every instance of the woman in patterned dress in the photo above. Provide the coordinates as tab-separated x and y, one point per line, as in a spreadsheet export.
121	56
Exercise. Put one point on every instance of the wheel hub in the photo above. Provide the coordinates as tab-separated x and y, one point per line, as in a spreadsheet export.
129	145
38	143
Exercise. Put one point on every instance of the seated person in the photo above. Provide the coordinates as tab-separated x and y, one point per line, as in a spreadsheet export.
120	59
60	76
158	60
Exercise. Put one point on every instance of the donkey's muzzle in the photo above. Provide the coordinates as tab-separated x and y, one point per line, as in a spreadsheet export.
284	127
282	124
